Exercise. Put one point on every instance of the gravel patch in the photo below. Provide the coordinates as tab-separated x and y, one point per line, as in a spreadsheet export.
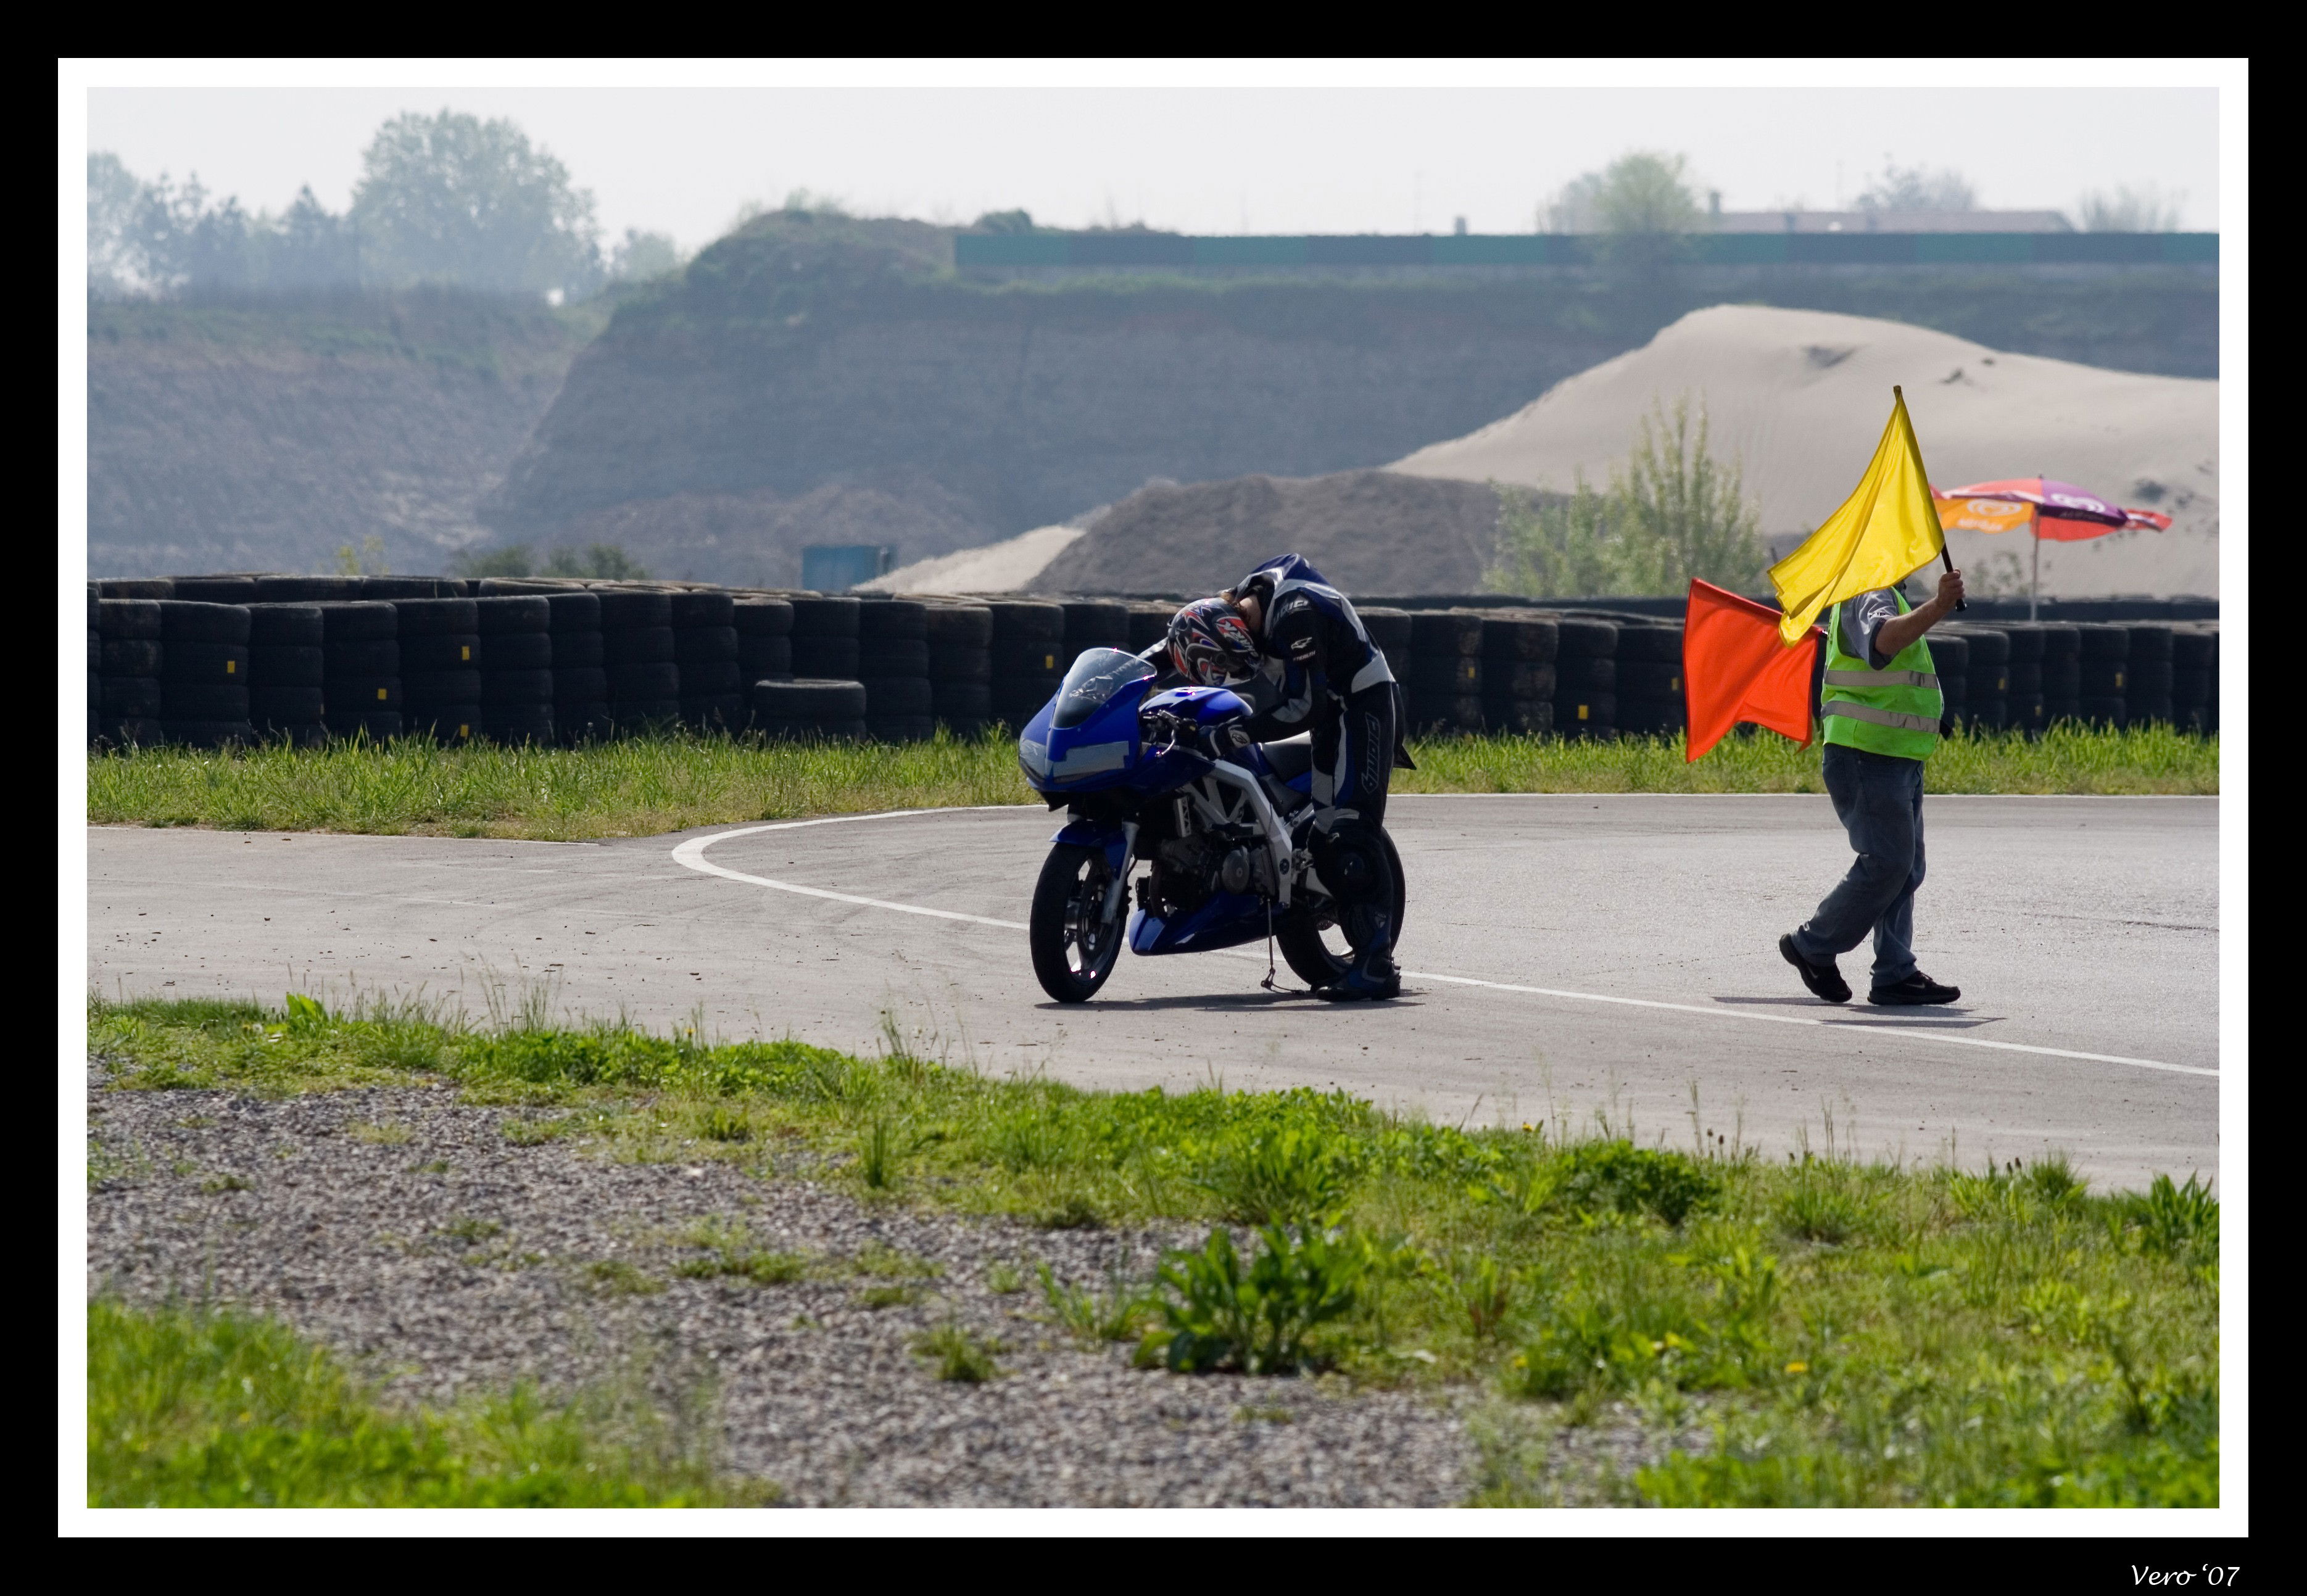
404	1229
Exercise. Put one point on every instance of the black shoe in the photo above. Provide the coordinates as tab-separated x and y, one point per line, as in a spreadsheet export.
1916	989
1373	981
1824	980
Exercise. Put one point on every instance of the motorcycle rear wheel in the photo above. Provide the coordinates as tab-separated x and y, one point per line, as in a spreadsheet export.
1306	946
1074	950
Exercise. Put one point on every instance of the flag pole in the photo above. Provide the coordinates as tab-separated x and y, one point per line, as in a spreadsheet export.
1945	559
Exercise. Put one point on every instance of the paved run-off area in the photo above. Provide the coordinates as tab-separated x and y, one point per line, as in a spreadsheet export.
1568	953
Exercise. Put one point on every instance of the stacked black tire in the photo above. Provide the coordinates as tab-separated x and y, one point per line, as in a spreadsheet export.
580	685
95	705
2147	675
1093	624
1027	658
2194	678
824	699
1149	624
810	709
637	655
2102	673
360	649
440	667
960	638
2024	696
1951	663
1986	675
1518	653
764	642
217	589
705	648
1444	689
893	663
516	661
825	637
204	673
1647	670
287	673
1586	679
127	691
1391	633
2063	672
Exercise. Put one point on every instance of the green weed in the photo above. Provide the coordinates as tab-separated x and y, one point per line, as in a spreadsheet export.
614	1277
2175	1221
210	1409
734	1256
1119	1313
1217	1315
959	1355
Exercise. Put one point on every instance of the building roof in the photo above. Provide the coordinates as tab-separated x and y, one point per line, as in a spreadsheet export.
1891	221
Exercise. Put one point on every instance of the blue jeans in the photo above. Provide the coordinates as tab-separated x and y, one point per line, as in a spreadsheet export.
1879	800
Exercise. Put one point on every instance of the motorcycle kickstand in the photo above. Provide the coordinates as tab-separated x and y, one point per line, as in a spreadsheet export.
1268	984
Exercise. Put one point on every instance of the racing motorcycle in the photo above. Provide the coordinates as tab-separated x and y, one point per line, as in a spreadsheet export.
1171	780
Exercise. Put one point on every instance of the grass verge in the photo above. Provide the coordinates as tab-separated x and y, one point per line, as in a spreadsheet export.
189	1409
654	785
1823	1330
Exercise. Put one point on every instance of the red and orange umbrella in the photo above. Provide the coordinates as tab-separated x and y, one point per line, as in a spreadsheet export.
2060	510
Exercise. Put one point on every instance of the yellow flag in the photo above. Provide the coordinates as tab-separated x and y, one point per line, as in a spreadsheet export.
1885	530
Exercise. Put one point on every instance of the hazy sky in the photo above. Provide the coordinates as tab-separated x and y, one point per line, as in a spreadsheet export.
1201	160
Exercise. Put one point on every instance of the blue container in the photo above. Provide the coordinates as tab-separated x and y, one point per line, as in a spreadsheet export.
835	568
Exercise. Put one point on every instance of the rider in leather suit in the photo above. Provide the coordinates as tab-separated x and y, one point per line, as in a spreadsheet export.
1290	645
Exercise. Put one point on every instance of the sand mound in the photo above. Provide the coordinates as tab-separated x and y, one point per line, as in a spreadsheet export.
1010	566
1800	397
1368	531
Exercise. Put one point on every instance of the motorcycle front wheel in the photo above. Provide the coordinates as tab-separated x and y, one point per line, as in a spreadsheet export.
1074	946
1313	946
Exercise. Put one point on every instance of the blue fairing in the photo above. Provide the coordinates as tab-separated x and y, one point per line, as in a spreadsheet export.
1095	753
1096	834
1225	920
1208	704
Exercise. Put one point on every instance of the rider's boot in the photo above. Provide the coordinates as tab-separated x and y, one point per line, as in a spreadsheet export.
1372	977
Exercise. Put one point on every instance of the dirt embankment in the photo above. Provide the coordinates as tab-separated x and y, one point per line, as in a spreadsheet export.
233	438
1367	531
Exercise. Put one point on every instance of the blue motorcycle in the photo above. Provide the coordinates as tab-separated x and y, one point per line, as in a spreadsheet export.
1170	779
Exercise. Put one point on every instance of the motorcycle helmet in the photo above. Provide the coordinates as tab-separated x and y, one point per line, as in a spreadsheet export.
1211	644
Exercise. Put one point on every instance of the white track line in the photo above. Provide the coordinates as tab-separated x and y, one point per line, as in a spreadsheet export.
692	854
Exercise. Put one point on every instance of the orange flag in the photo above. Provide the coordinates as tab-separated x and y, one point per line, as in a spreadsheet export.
1735	668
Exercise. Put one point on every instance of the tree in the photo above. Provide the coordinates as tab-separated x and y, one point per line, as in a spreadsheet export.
1004	222
113	194
1912	188
451	199
2142	210
1643	193
309	246
1672	512
640	255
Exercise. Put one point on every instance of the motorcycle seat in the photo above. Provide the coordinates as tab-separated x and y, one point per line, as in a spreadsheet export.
1291	758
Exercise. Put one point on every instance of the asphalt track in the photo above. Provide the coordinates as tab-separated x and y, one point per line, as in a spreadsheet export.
1568	955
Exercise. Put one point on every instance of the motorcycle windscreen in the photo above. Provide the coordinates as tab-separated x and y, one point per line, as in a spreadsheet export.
1096	676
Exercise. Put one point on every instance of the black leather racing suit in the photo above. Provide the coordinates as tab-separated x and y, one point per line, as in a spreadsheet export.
1321	673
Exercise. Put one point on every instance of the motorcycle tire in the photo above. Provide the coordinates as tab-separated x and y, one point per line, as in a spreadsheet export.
1308	952
1071	966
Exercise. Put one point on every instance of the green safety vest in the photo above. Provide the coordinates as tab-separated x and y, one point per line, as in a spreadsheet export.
1891	711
